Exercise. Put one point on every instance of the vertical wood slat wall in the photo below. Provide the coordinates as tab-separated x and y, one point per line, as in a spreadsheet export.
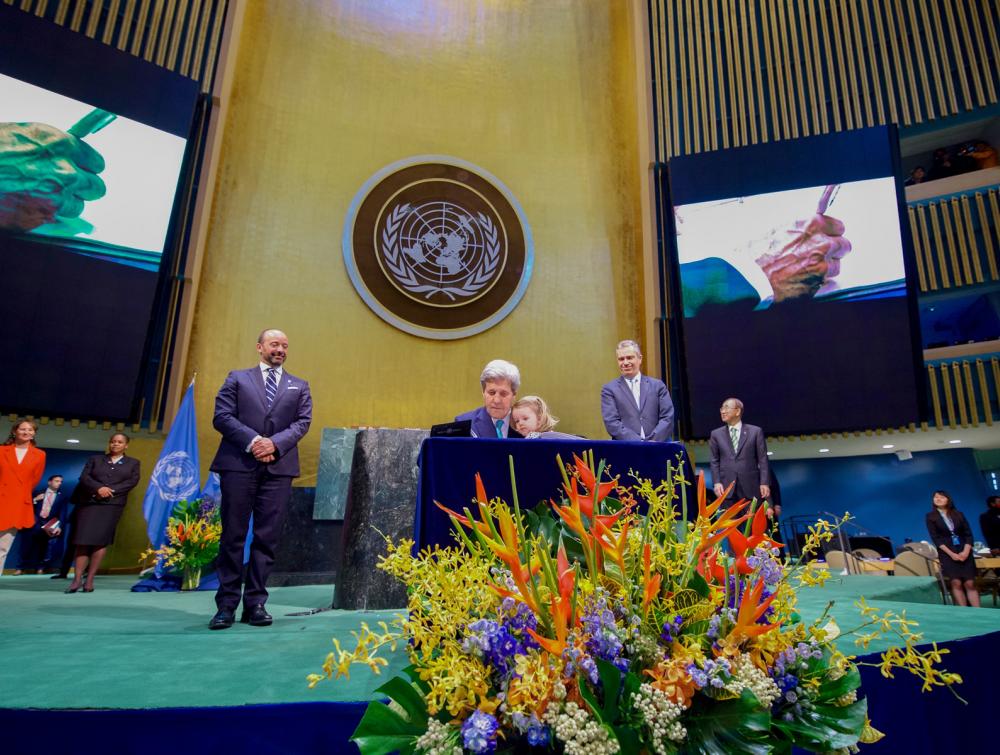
964	392
180	35
739	72
956	239
783	69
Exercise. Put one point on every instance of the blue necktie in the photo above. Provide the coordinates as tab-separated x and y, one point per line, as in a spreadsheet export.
499	424
271	386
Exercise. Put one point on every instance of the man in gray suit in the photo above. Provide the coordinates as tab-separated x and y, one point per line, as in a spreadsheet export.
635	406
739	452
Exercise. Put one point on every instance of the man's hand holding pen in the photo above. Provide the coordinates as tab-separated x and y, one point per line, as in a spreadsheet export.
802	259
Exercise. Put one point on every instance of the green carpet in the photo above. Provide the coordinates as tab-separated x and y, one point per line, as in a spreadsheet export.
918	596
117	649
113	648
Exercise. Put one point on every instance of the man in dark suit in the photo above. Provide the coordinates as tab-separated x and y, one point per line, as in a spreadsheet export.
738	452
636	406
499	381
262	414
989	523
37	542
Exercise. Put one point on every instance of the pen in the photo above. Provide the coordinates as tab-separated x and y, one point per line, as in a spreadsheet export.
827	198
91	123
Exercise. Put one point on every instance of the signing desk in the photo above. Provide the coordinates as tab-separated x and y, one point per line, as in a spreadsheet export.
448	467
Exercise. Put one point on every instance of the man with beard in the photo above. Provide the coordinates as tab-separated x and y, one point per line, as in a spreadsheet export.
262	414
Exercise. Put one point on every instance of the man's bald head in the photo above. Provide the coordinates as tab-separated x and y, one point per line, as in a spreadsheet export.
272	345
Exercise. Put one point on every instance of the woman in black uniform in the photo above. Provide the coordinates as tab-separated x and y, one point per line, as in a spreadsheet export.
950	532
100	499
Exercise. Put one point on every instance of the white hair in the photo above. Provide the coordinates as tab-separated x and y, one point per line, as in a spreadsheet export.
500	369
629	344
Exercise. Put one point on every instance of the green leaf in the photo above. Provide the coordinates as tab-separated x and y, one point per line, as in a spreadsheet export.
383	731
611	682
628	740
699	585
825	727
409	699
728	727
588	696
831	689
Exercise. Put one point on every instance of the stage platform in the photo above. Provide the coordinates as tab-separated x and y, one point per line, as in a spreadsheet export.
123	672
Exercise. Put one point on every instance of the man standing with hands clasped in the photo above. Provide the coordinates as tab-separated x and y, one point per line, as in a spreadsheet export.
739	452
636	406
262	414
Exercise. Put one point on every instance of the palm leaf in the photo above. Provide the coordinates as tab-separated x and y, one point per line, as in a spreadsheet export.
729	727
383	731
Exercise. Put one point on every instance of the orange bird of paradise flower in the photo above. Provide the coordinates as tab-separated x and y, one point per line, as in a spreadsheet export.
561	606
481	501
714	531
751	609
507	549
650	582
590	484
744	546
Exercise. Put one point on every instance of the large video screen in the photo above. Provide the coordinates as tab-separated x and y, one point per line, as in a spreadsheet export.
792	263
92	152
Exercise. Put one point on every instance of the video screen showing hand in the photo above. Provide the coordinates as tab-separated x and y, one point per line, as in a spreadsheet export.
46	175
804	258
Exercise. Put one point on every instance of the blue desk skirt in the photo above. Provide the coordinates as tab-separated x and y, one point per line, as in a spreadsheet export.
448	468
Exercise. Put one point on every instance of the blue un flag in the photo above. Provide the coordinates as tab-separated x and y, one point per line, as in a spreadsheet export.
176	476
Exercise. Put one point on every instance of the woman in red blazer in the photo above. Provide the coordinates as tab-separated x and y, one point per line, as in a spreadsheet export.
21	467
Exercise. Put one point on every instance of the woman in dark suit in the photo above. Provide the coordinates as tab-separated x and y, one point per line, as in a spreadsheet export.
950	532
100	498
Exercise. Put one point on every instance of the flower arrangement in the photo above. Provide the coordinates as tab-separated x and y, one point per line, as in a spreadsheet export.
193	533
590	627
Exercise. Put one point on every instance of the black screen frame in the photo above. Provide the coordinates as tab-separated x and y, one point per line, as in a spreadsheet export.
710	165
38	52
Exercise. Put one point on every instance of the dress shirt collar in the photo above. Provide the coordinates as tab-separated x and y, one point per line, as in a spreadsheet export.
264	367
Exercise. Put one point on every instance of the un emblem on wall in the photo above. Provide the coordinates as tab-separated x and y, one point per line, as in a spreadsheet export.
438	247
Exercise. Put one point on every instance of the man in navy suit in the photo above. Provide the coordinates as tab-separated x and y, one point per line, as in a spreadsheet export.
739	453
262	414
37	542
636	406
499	381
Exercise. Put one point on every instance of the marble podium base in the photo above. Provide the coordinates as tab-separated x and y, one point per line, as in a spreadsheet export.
381	500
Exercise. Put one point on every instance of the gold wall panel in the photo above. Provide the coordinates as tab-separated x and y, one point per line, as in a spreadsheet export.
326	93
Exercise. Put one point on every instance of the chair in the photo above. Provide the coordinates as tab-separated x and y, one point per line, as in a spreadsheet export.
909	563
988	581
924	549
867	553
845	563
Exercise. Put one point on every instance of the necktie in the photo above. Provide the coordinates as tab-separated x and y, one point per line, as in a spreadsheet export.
47	503
499	424
271	386
735	435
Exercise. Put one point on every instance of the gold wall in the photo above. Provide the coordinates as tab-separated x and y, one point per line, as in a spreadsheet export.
541	94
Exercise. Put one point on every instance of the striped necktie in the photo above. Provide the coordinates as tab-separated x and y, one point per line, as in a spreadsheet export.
734	434
271	386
